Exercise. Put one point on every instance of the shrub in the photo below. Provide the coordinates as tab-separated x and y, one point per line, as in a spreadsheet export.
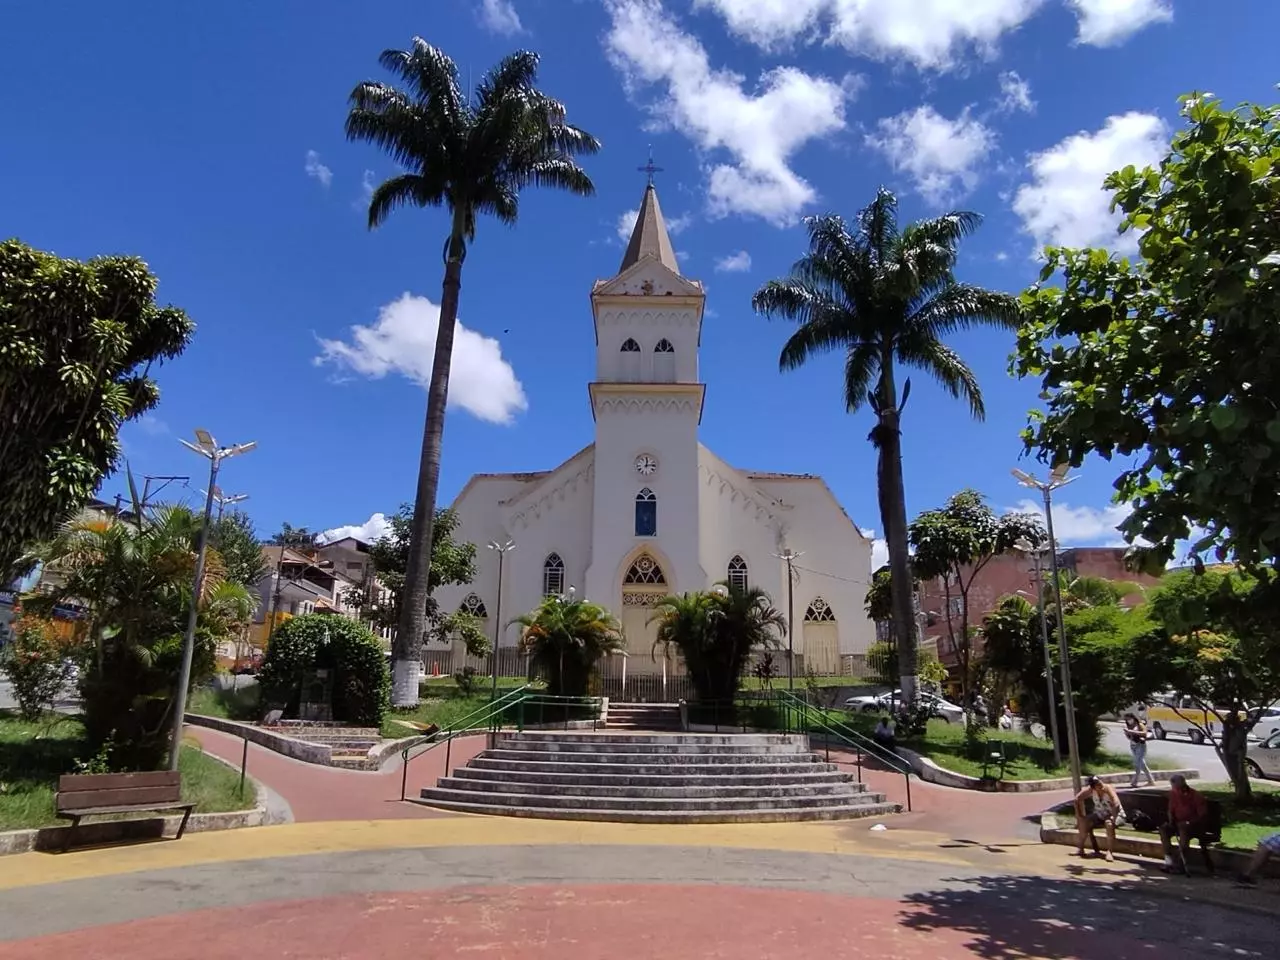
38	664
361	684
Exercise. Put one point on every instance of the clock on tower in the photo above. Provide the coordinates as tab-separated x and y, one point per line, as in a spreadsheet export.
646	465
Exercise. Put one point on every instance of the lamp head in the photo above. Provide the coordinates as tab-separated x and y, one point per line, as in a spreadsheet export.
205	439
238	449
1024	478
1059	473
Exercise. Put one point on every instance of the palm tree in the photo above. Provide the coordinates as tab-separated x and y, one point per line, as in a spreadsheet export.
715	631
886	297
564	639
470	157
134	578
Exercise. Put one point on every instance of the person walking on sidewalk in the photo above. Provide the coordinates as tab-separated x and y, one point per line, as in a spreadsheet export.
1136	731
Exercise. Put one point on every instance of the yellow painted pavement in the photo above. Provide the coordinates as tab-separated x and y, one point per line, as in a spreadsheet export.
300	839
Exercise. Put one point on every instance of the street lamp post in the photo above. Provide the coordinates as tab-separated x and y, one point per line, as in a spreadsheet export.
790	556
503	549
223	499
1027	547
1058	478
206	446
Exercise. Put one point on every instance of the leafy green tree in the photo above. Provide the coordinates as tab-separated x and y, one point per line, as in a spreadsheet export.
887	298
564	640
77	343
232	535
472	156
360	683
135	577
1222	649
715	631
452	563
291	536
1172	357
38	663
954	545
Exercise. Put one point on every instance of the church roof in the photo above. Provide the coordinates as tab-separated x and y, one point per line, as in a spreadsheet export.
649	236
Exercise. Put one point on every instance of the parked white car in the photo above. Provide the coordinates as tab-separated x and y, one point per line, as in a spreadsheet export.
887	702
1263	759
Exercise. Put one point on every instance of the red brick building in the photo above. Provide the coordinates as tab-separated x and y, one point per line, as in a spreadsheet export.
1008	574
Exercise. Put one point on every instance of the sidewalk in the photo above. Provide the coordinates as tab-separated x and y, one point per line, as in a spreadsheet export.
315	793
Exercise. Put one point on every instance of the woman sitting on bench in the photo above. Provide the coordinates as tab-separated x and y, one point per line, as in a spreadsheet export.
1106	812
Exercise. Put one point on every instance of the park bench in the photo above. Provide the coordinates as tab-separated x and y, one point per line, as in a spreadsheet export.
1148	810
83	795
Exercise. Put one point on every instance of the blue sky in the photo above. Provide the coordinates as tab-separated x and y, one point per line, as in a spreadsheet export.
208	140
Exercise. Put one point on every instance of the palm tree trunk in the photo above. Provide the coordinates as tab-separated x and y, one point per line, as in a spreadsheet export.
417	577
893	510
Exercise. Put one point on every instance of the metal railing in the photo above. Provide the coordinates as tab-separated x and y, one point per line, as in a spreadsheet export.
515	707
785	711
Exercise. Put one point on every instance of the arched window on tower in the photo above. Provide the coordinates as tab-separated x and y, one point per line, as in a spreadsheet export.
664	362
630	360
553	576
737	574
473	606
646	514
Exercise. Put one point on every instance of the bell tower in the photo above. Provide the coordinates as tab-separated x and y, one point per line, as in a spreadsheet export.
647	402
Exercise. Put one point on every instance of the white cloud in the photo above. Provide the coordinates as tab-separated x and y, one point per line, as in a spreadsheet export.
1082	525
1105	23
500	16
879	548
152	425
940	155
1065	204
931	34
314	168
739	262
1015	94
1001	256
760	130
373	529
367	185
403	341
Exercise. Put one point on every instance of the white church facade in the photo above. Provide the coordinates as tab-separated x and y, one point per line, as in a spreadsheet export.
646	509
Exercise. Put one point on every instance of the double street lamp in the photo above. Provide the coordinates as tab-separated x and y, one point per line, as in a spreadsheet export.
207	447
1058	478
1027	547
502	550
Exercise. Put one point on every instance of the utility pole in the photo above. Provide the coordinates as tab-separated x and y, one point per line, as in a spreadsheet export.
502	549
1027	547
790	556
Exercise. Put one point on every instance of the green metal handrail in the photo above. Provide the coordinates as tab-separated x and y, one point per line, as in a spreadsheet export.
486	713
811	715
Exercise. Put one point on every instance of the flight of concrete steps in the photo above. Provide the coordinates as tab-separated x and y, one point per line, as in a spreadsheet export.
643	716
654	778
350	744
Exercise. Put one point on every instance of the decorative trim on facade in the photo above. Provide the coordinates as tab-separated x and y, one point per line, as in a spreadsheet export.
649	318
734	493
558	493
819	612
644	571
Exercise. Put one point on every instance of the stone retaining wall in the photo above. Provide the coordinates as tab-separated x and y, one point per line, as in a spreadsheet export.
930	772
289	746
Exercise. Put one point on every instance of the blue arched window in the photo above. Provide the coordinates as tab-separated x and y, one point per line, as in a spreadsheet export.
646	514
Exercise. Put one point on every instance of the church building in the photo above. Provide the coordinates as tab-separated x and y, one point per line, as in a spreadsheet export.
646	509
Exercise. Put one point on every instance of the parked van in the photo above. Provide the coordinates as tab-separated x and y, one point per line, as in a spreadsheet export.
1181	715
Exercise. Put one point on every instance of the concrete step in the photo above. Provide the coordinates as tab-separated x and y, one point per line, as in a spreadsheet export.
352	762
623	791
643	748
304	731
529	739
595	803
345	743
758	755
627	777
774	815
697	765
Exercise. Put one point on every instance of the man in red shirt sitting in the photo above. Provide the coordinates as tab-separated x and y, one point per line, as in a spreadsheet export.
1188	818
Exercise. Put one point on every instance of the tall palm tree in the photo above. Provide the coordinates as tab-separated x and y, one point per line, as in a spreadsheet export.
886	297
470	156
565	638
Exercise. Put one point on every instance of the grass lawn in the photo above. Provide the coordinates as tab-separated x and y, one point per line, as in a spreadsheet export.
1030	758
1243	827
34	755
442	710
242	704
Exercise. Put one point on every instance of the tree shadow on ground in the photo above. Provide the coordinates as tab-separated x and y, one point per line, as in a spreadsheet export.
1020	917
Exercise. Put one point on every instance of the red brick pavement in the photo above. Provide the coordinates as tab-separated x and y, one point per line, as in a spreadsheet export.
571	922
328	793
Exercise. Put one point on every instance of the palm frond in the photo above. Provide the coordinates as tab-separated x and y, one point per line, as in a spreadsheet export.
945	366
960	306
407	189
878	224
861	366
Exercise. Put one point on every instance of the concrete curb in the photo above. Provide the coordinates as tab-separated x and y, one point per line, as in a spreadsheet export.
930	772
1058	826
113	831
317	753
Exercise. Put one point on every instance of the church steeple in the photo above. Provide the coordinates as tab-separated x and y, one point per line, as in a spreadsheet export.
649	237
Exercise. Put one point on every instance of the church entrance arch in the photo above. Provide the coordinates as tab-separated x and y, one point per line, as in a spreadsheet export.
821	639
644	583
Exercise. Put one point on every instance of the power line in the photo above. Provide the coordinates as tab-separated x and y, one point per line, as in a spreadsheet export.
833	576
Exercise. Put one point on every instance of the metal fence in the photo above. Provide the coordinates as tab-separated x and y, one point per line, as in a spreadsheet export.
445	663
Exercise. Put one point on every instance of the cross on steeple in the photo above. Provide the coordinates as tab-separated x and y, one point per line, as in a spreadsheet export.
649	168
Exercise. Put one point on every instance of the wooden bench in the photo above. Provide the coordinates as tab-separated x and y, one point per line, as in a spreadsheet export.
1148	810
83	795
